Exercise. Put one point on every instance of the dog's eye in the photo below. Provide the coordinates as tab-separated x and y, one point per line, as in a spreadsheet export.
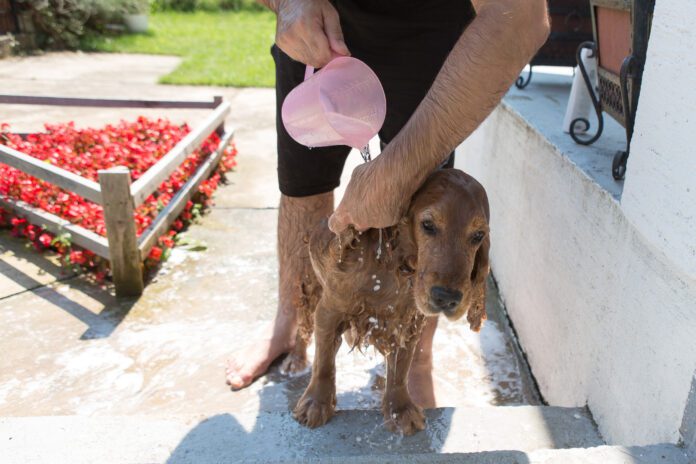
477	237
428	226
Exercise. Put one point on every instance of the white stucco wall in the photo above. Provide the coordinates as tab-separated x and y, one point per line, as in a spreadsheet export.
660	192
601	293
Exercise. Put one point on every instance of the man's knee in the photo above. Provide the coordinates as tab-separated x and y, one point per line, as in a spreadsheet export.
298	215
309	205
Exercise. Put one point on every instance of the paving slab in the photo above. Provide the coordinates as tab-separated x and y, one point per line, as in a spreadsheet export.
103	68
22	268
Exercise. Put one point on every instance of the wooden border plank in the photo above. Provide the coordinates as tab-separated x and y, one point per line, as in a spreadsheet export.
176	205
50	173
105	102
153	177
80	236
126	262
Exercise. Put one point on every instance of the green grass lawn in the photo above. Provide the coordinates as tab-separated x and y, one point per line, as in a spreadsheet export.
228	48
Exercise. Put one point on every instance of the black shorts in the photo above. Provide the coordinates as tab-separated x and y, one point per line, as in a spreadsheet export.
405	42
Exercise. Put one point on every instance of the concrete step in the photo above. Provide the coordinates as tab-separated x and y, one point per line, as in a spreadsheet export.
514	431
652	454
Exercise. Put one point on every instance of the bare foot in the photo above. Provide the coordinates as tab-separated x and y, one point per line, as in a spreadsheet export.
250	362
420	382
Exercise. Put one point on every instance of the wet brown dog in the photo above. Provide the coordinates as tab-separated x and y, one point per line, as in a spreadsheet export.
379	287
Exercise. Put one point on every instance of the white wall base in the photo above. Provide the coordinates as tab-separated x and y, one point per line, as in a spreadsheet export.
604	317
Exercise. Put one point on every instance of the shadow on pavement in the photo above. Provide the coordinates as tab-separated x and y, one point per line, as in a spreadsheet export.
100	325
276	436
273	436
18	253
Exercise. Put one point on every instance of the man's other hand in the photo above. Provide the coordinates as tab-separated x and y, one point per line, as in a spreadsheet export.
308	31
372	199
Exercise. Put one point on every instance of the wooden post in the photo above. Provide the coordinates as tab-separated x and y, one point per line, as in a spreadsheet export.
124	255
219	130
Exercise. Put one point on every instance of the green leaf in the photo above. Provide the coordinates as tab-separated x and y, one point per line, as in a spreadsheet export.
189	244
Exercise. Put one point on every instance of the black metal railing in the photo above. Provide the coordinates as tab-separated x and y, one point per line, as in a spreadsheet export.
617	92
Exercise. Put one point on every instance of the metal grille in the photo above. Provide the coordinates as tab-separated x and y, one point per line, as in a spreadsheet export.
8	22
626	25
610	96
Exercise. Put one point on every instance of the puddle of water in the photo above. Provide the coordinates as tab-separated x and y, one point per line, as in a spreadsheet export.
471	369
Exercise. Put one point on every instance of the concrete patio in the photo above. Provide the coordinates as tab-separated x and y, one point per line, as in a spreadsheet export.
86	377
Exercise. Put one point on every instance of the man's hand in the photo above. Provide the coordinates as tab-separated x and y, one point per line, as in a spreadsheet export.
371	200
308	31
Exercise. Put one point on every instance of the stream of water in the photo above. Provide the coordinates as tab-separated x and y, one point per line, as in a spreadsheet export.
365	153
366	156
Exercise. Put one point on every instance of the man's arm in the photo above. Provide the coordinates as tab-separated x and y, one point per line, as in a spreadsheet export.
484	62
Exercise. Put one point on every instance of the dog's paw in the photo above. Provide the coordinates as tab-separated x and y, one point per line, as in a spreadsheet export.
314	410
404	417
294	364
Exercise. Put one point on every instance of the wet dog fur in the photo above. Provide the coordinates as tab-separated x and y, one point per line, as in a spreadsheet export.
379	286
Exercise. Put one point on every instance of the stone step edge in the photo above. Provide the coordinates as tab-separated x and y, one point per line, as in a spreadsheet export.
664	453
269	436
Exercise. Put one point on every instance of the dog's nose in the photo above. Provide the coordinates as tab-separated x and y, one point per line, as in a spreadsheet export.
445	299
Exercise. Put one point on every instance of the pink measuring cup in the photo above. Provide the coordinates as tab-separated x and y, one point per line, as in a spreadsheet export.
342	104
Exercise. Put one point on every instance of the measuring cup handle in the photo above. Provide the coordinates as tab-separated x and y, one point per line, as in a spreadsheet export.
310	69
308	72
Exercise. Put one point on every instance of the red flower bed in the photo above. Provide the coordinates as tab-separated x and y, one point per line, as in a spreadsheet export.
137	145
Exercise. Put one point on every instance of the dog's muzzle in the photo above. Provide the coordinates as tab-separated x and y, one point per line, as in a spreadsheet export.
444	299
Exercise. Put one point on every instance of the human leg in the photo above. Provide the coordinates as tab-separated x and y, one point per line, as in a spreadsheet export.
306	180
296	216
420	376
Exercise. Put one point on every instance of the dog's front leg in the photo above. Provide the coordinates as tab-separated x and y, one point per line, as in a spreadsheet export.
310	294
317	404
400	412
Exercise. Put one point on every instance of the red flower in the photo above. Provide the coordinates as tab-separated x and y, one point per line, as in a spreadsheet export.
167	242
30	232
45	239
76	257
155	253
137	145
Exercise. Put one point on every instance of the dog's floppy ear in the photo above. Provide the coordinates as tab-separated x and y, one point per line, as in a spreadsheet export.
406	251
477	311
